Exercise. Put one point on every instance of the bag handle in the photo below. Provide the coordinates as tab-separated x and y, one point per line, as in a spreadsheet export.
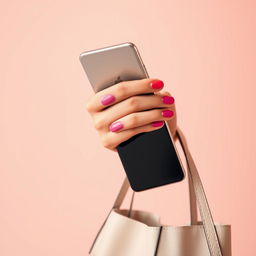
192	198
196	193
205	212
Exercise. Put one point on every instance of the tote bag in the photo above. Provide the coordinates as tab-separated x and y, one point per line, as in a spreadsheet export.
129	232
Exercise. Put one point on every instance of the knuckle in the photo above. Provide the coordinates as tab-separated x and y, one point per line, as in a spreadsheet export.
133	119
98	123
88	107
122	89
106	142
133	102
89	103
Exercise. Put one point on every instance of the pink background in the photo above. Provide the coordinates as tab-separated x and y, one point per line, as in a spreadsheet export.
57	182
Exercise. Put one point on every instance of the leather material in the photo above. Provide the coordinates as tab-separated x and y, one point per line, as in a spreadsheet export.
128	232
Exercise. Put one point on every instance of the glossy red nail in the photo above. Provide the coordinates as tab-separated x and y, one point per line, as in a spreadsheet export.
168	99
167	113
157	123
157	84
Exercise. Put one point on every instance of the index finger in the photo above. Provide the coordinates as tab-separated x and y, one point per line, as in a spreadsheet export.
121	91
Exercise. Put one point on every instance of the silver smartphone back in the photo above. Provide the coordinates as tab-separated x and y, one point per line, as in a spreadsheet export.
123	63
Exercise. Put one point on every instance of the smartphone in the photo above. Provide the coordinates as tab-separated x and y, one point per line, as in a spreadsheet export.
150	159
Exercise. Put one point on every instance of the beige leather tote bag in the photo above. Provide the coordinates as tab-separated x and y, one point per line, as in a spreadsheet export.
128	232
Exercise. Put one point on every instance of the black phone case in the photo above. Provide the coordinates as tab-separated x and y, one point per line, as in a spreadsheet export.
150	160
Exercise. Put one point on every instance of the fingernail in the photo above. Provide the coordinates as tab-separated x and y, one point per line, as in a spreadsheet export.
107	99
157	84
168	99
157	123
115	126
167	113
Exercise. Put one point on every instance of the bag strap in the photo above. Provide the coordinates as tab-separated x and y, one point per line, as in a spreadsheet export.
125	186
192	198
197	195
205	212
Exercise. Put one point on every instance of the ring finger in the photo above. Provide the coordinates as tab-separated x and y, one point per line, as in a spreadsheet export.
137	119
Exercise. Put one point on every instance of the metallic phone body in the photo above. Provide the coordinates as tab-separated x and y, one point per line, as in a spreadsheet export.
150	159
109	62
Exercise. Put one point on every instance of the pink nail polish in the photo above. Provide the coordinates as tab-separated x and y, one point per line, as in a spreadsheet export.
115	126
157	84
167	113
107	99
168	99
157	123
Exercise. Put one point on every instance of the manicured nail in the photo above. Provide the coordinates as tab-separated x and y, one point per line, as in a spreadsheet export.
157	84
168	99
167	113
157	123
107	99
115	126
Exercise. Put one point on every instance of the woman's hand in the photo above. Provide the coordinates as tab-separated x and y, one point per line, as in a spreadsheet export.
119	112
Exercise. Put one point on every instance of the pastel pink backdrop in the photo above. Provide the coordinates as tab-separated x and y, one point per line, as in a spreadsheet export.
57	182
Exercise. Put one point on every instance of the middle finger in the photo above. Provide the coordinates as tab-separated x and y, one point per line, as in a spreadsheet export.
133	104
